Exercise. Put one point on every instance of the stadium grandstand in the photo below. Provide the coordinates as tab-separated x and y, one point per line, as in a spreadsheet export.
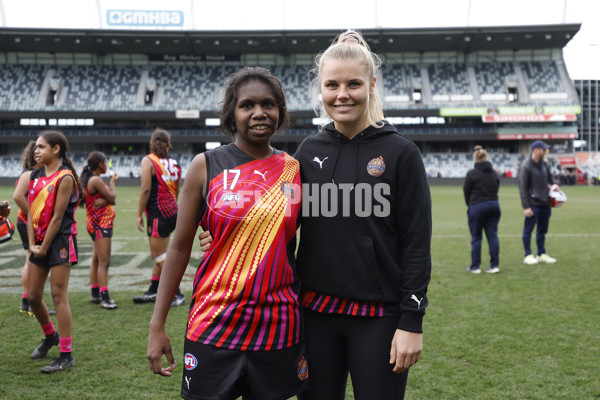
447	89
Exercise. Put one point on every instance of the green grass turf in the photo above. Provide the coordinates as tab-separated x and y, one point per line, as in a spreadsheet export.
529	332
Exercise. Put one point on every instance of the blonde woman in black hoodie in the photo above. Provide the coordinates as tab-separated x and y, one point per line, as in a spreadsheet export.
364	257
481	195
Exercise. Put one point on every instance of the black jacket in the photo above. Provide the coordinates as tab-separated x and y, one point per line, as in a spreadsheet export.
366	220
481	184
534	179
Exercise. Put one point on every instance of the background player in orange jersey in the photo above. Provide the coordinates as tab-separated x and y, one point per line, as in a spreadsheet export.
99	200
160	178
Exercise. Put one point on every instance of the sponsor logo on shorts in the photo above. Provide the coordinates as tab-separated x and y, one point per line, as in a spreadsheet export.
303	369
190	361
63	253
376	167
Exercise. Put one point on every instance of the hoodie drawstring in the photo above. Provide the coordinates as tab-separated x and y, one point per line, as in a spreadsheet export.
355	144
337	153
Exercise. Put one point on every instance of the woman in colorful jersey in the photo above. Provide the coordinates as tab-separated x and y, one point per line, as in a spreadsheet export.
160	178
365	268
20	198
99	200
244	333
53	194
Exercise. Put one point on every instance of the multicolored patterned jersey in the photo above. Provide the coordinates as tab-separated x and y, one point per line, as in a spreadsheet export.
163	193
246	288
98	218
20	215
42	196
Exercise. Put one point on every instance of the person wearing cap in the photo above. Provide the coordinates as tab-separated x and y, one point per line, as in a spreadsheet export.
535	181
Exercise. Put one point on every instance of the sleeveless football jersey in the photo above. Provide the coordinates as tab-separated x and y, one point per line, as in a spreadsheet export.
163	193
42	196
20	215
246	288
98	218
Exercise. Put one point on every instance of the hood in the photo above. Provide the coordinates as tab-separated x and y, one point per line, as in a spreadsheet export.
484	166
369	134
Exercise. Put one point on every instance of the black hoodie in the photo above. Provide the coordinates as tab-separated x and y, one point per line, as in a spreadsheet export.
366	220
481	184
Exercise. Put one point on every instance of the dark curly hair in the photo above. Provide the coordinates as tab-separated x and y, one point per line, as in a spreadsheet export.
234	81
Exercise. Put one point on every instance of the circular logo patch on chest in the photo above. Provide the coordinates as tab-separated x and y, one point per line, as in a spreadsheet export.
376	167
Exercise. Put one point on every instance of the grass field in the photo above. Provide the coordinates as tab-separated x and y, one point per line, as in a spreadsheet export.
529	332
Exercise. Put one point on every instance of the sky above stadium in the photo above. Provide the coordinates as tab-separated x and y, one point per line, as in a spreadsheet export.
582	54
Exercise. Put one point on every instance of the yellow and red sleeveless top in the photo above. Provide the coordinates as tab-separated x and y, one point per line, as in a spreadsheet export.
246	289
20	215
42	196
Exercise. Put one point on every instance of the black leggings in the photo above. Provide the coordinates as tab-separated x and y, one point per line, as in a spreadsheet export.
338	344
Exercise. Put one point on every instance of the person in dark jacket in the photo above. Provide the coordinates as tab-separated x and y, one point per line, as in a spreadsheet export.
364	257
535	181
481	195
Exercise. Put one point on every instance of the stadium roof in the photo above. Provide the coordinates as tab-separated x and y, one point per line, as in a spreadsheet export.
463	39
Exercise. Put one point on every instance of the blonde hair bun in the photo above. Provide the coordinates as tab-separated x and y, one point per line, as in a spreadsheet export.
350	36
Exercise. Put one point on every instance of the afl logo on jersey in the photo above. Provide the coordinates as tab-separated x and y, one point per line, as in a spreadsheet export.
376	167
231	197
50	188
303	369
190	361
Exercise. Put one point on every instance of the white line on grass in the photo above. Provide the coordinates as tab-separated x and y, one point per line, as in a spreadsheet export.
134	273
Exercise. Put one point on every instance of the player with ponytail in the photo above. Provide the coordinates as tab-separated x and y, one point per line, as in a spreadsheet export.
53	193
160	179
99	200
